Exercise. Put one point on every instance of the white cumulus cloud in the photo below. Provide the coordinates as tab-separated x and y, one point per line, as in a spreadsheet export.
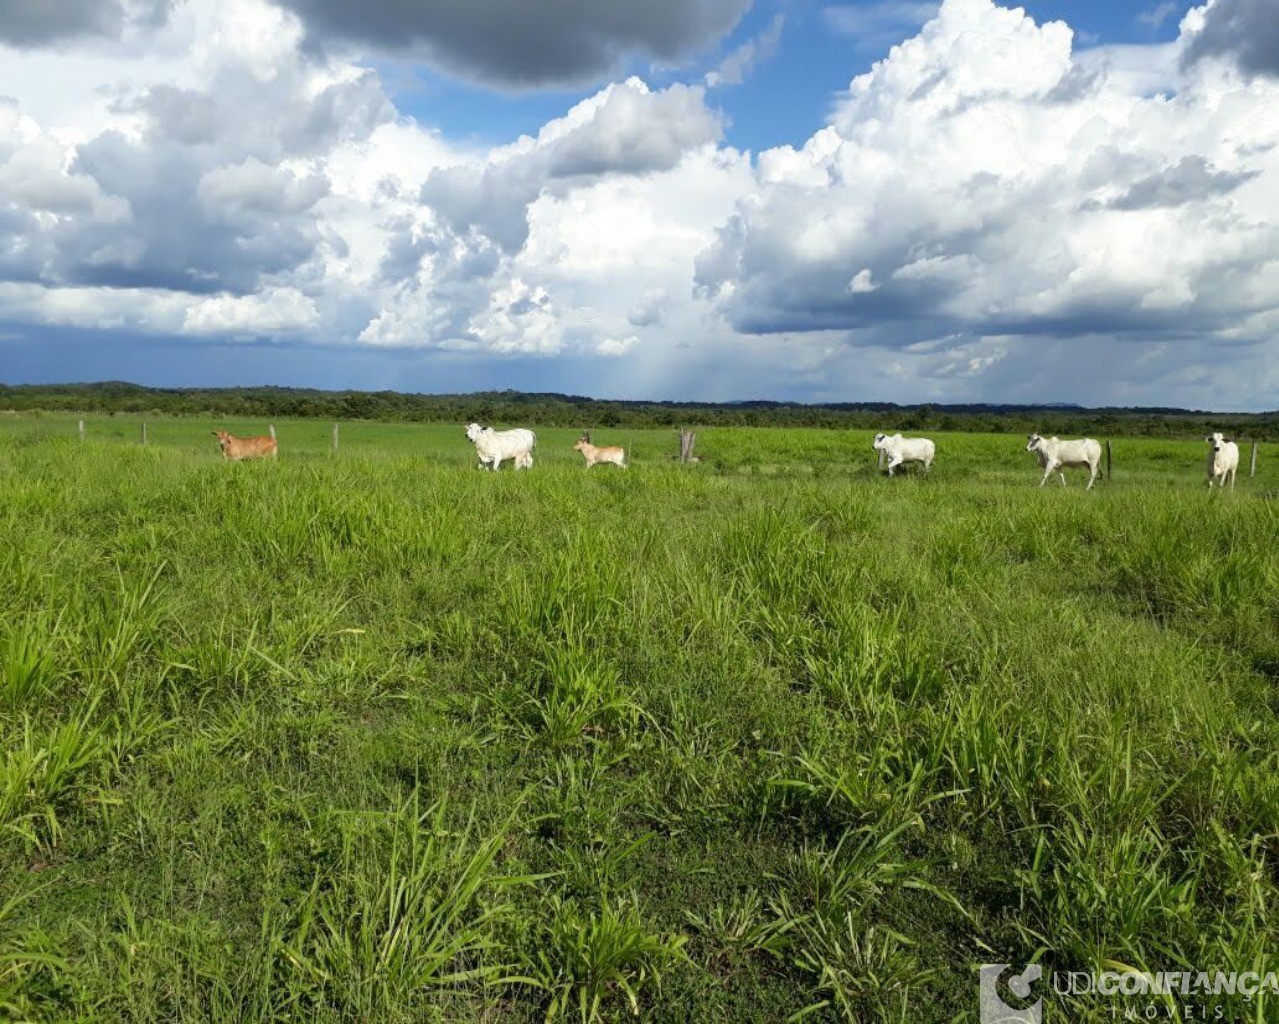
992	184
989	212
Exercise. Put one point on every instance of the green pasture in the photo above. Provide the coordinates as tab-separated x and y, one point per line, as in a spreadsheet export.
376	736
971	458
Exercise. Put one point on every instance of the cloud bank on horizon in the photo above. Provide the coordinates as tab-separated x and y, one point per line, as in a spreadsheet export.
990	212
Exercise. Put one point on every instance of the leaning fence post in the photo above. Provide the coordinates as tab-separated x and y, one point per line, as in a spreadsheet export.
1252	469
144	431
1107	459
687	439
82	439
335	437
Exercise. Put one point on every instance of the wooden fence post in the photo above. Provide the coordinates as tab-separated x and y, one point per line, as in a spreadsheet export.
687	439
271	428
144	431
1252	470
1107	459
335	438
82	435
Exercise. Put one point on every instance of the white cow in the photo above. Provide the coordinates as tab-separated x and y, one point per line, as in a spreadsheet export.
1223	461
495	446
597	453
1056	455
905	449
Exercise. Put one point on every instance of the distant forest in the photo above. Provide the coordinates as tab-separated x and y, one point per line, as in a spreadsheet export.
555	410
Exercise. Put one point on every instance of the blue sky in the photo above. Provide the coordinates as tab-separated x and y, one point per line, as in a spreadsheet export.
822	46
711	199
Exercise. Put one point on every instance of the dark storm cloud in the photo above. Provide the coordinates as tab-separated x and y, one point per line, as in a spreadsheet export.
1246	30
520	43
28	23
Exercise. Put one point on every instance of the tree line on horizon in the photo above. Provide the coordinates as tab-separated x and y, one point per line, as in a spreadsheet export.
562	410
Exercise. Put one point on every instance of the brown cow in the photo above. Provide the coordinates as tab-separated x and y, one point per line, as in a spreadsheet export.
245	447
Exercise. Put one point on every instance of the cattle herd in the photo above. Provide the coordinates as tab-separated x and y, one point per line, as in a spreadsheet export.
1056	456
493	447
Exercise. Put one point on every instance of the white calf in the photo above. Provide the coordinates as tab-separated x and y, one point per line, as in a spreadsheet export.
1223	461
595	453
1056	455
905	449
493	447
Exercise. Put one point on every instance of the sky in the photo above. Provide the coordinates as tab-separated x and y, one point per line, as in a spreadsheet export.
812	200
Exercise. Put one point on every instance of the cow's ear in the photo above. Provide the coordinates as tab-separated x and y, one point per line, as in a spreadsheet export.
1229	440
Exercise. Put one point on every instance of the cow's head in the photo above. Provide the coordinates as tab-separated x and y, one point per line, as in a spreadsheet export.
879	441
581	444
473	430
1033	442
1217	440
224	438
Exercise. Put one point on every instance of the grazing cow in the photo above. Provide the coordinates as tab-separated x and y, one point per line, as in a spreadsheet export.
1223	461
1056	455
238	448
596	453
905	449
495	446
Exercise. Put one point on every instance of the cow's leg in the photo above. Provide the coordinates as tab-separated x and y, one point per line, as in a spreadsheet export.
895	461
1092	477
1233	472
1047	473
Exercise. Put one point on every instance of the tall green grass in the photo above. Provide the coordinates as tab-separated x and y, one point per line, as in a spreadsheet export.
378	736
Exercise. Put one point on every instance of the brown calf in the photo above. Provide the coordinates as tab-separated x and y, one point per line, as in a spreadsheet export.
245	447
595	453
